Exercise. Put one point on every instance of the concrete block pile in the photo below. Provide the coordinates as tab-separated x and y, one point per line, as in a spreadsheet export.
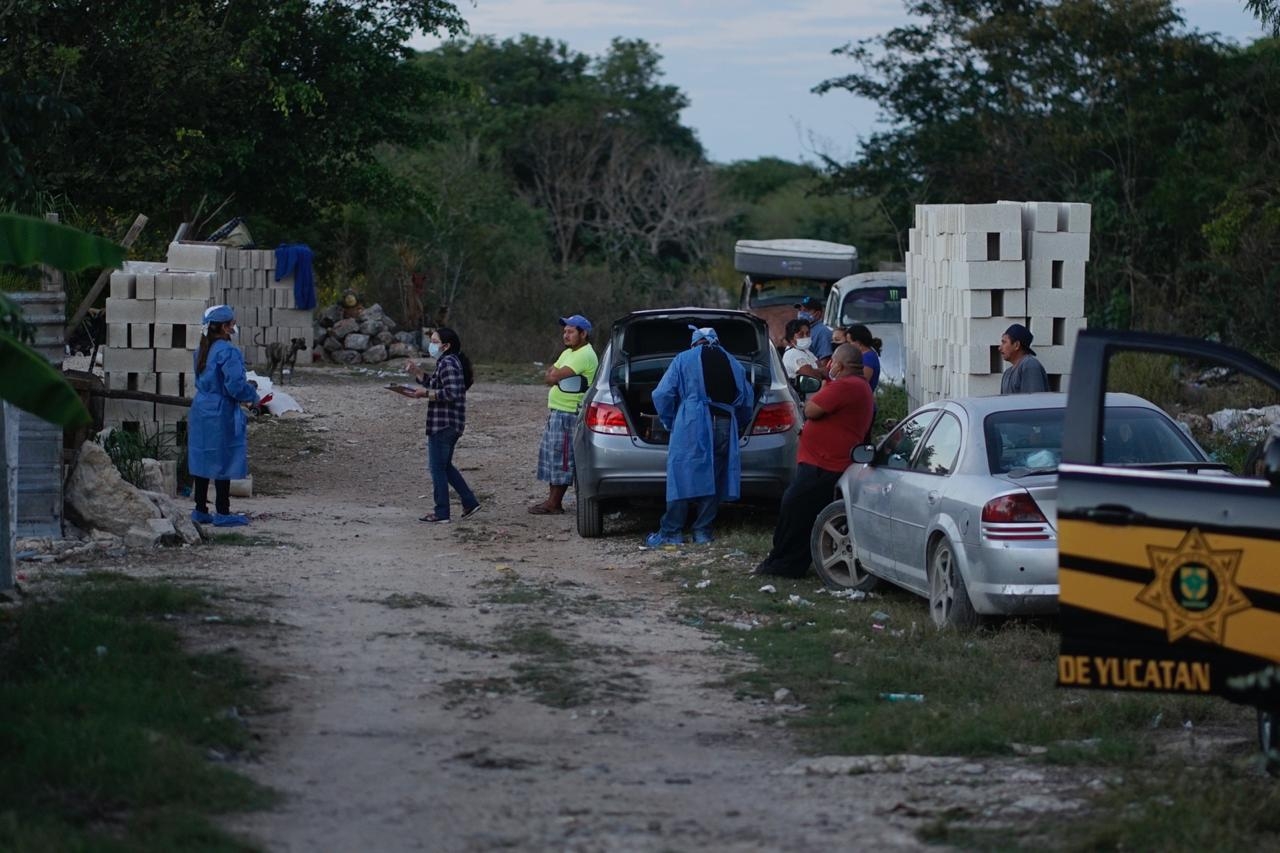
973	269
154	312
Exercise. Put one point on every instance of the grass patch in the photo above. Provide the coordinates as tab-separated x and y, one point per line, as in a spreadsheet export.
107	725
277	446
399	601
984	691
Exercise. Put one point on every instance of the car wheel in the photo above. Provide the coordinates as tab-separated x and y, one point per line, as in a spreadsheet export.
1269	739
949	603
831	546
590	517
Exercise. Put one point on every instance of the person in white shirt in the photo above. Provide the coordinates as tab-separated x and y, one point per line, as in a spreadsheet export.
796	357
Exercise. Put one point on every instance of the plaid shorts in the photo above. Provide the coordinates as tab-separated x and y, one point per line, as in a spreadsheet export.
555	453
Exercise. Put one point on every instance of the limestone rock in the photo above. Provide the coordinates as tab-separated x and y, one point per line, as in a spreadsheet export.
99	498
401	350
375	354
342	328
177	516
346	356
356	341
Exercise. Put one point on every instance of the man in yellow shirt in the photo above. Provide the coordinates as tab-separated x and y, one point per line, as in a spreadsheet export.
555	453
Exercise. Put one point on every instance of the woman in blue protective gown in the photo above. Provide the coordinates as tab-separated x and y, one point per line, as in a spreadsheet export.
217	441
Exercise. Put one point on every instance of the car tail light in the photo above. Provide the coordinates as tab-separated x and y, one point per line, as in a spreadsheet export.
602	417
773	418
1014	517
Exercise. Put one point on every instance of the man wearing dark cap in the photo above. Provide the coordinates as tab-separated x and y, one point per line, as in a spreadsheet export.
555	452
820	345
1025	374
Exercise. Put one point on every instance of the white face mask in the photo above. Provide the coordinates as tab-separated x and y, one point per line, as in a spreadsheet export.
434	349
235	332
802	343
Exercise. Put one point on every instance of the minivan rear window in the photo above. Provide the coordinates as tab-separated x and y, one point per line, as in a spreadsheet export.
873	305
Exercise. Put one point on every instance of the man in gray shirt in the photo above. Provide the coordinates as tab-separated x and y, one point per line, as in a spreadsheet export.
1025	374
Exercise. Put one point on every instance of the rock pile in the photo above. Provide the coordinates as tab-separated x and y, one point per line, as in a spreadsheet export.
370	337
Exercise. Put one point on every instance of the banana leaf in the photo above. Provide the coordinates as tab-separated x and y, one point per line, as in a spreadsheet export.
26	240
35	386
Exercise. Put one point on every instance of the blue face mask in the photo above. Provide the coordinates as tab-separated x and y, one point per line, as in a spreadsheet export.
434	349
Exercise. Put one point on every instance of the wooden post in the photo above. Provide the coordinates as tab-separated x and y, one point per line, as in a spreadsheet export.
103	278
51	278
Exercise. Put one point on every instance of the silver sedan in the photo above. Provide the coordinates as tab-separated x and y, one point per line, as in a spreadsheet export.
959	502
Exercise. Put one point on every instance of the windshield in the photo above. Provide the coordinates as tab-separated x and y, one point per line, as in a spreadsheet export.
1132	436
879	304
784	291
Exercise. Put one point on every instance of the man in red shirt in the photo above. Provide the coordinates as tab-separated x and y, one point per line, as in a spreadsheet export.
837	418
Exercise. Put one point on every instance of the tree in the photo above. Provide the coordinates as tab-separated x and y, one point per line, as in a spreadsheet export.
277	104
1267	12
1111	102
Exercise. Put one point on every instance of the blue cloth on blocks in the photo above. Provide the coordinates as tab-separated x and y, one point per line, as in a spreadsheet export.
685	409
295	259
217	428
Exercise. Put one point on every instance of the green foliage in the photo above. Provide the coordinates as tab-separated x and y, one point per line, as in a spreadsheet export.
1111	102
127	449
278	105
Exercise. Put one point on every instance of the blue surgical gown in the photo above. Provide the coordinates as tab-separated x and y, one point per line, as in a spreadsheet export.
217	440
685	409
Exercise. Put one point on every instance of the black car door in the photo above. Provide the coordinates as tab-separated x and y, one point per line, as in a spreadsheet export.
1169	574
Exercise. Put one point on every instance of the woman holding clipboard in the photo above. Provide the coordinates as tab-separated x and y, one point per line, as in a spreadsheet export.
446	394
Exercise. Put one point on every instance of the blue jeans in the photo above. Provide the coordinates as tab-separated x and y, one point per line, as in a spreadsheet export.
706	508
443	475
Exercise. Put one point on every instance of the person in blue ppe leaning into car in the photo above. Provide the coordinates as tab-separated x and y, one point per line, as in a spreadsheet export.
217	439
705	401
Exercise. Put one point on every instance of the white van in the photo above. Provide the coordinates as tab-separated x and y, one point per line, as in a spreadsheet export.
873	299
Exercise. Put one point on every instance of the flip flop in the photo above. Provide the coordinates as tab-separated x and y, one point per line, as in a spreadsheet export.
543	509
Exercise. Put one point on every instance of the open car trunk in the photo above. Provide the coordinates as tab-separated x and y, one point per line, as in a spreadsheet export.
645	348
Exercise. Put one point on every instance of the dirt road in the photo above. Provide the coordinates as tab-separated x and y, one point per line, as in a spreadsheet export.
499	682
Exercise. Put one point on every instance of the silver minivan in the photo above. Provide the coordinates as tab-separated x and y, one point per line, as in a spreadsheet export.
620	445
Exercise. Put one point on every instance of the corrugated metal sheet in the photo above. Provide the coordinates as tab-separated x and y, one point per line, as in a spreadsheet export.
39	507
8	491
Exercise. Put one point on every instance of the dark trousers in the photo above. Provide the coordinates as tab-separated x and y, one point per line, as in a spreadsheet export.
811	490
440	447
221	495
707	507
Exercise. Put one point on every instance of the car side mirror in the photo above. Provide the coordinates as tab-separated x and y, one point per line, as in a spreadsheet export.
575	384
807	384
863	453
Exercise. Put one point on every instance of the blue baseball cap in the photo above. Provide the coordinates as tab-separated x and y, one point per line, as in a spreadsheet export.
578	322
808	302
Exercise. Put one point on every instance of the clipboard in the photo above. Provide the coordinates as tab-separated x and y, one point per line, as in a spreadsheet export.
403	390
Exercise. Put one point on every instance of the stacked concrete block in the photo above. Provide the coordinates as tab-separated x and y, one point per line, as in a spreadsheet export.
975	268
265	308
154	313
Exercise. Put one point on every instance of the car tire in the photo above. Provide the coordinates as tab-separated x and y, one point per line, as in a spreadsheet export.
590	516
832	549
949	603
1269	739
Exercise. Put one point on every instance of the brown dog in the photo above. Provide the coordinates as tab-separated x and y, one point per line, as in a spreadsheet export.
284	357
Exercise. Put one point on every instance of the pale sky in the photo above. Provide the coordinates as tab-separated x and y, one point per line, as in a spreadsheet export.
747	66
